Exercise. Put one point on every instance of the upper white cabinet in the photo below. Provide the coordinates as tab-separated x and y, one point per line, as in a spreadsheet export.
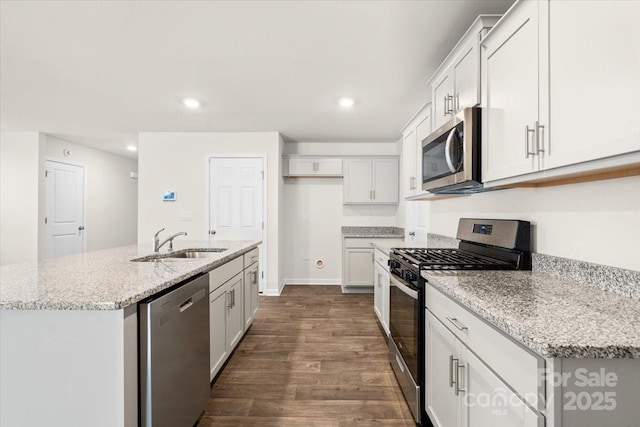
456	83
371	181
418	128
559	95
314	167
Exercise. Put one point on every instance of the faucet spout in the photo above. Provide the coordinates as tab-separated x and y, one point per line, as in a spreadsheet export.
169	240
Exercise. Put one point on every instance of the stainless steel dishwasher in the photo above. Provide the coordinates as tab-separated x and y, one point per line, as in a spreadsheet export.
174	355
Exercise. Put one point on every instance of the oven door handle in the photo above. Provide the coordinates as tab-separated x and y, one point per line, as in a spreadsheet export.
404	288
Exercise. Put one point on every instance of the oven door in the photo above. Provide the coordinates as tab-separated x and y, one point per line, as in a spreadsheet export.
404	321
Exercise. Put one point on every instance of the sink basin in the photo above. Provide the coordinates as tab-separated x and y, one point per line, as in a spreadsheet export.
183	254
193	254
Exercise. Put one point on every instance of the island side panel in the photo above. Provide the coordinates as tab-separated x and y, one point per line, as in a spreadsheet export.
63	368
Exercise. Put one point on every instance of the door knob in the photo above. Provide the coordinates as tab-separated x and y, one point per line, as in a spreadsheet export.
212	232
81	228
412	233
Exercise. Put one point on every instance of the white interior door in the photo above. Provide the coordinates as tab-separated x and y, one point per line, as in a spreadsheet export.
65	209
236	202
415	229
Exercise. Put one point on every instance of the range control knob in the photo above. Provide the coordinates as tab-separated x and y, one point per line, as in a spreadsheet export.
409	276
393	263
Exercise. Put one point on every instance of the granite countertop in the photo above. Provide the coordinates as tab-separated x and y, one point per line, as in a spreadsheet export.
106	279
552	316
373	232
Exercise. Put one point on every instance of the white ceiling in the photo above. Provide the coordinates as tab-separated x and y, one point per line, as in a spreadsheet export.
98	72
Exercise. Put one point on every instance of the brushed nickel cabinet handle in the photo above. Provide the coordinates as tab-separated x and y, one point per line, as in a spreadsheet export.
527	131
451	380
539	131
459	366
456	323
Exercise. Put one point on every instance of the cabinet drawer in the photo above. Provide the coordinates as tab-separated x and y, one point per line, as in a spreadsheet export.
382	259
516	365
251	257
357	242
222	274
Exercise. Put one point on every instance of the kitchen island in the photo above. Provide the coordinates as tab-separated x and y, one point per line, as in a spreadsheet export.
69	331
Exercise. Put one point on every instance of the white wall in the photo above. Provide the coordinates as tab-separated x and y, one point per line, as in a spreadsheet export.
179	161
596	221
21	192
314	214
112	196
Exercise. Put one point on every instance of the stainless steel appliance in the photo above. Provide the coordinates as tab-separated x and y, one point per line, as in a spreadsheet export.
451	155
484	245
174	355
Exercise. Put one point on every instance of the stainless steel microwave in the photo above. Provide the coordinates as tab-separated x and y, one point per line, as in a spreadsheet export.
451	155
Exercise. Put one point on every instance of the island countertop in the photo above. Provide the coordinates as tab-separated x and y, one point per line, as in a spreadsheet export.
105	279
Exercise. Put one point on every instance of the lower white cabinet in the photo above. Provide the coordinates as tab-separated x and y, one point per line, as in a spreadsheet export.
381	289
463	391
251	293
226	324
358	267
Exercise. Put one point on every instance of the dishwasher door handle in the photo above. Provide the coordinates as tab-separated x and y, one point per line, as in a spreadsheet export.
186	305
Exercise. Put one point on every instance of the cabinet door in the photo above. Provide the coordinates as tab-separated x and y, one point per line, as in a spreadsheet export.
359	267
466	76
385	300
302	167
594	81
385	180
218	301
489	402
357	181
409	153
442	90
377	292
442	405
250	295
235	308
510	81
329	167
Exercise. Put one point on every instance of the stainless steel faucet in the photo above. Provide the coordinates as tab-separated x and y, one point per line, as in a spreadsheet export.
156	240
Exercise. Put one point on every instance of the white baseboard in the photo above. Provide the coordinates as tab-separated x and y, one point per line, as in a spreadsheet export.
312	281
360	290
274	292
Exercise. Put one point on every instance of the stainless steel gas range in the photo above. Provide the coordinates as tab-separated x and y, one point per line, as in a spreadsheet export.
485	244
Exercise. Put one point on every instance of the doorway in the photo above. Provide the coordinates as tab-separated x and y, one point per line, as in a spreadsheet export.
237	202
65	220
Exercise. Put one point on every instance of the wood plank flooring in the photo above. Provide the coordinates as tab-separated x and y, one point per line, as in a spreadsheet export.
313	357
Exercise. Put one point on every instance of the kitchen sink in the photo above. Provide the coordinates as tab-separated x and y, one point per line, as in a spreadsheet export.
183	254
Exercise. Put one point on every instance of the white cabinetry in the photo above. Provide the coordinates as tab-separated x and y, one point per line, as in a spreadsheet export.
251	291
226	325
358	262
418	128
314	167
371	181
381	288
456	83
557	95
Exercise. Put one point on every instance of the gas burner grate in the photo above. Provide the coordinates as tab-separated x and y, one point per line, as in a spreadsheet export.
452	259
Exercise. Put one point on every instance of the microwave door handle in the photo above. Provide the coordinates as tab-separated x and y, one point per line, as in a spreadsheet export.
447	151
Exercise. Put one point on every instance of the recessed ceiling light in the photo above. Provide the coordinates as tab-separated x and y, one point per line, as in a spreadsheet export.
346	102
192	103
132	148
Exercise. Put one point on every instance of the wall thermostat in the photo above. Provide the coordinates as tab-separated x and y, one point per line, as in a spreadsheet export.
169	196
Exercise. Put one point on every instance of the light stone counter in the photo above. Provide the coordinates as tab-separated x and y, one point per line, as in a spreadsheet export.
106	279
552	316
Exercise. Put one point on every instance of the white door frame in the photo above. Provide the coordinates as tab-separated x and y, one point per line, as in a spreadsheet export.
265	201
84	197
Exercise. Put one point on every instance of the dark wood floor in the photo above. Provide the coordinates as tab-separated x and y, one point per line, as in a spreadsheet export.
313	357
